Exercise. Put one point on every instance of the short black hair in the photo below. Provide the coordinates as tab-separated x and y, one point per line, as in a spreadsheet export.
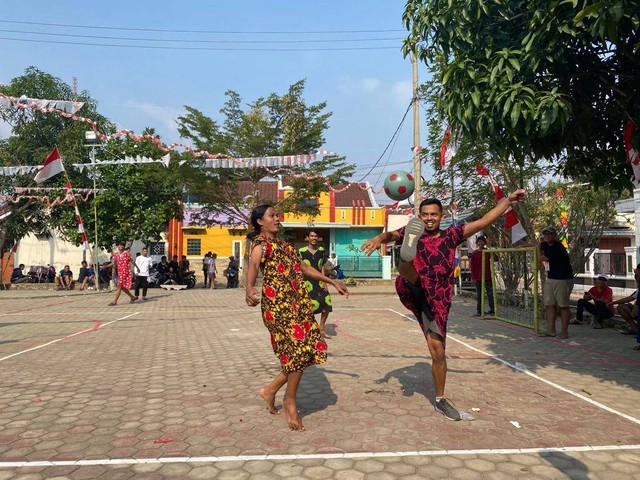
431	201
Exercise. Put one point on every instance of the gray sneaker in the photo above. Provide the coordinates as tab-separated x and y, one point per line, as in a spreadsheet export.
448	410
412	233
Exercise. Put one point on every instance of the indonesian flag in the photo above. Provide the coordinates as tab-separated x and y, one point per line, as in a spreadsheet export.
51	167
81	230
448	149
511	221
632	154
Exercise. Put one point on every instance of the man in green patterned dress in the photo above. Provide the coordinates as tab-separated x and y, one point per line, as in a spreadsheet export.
316	256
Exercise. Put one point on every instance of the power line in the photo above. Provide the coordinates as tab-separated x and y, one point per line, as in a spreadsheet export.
222	32
103	37
217	49
390	141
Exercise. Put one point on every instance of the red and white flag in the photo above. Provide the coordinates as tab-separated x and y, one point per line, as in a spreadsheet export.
51	167
81	230
632	154
448	149
511	221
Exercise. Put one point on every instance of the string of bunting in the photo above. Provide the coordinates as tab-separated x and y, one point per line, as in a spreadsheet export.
67	106
213	160
21	190
45	198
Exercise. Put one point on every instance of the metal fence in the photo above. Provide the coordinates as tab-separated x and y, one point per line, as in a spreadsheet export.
361	266
610	263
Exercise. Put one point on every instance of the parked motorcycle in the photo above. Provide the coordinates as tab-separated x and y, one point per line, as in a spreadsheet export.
156	278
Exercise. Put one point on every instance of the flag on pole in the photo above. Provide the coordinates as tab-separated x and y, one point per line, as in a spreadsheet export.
448	149
81	230
632	154
511	221
51	167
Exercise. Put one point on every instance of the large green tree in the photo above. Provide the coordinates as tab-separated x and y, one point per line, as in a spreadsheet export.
270	126
138	200
553	80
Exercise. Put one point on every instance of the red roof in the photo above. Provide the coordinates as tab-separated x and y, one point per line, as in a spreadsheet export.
267	191
355	191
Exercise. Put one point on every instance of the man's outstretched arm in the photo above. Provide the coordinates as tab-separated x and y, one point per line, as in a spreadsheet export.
374	243
494	214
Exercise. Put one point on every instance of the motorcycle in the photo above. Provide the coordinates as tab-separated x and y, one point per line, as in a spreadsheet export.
156	278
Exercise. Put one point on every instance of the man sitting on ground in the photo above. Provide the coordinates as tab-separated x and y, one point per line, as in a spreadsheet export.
65	280
86	276
598	301
628	306
17	276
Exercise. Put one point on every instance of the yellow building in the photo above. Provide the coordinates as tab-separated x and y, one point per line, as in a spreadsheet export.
348	216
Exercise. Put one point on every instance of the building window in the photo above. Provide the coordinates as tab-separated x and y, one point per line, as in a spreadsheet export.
193	246
343	214
309	202
156	248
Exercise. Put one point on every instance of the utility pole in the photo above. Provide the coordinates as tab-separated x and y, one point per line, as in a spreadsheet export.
92	142
416	137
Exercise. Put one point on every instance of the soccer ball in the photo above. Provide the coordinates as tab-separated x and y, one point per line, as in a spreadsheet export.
399	185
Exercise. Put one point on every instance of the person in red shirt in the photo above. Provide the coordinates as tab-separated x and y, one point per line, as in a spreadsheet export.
598	301
475	263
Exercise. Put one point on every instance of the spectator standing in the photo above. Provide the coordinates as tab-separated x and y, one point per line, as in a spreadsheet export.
475	263
233	271
212	269
143	264
17	276
598	301
205	265
559	284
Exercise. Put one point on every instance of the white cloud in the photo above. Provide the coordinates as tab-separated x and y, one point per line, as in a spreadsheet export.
164	115
370	84
350	85
402	91
5	129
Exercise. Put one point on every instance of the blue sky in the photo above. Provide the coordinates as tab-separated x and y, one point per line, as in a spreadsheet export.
368	91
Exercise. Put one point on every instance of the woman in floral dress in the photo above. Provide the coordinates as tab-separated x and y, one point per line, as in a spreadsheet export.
122	260
286	309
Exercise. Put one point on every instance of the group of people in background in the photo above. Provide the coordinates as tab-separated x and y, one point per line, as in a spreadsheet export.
210	271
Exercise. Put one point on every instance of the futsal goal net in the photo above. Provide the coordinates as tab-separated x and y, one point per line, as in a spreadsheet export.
514	286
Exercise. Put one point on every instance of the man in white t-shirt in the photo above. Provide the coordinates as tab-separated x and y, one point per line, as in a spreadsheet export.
143	264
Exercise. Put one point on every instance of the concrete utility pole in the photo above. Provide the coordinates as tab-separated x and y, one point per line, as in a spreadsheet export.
416	136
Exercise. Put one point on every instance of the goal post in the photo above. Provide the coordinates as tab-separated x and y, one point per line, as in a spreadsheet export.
516	292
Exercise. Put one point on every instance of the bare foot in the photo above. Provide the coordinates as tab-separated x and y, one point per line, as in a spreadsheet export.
270	398
323	332
293	416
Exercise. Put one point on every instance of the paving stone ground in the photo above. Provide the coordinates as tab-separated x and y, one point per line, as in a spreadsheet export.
167	389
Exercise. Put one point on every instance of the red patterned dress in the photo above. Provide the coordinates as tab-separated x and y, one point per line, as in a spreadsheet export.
434	262
286	307
123	264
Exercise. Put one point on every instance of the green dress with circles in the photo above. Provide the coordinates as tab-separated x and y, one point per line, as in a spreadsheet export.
286	307
320	298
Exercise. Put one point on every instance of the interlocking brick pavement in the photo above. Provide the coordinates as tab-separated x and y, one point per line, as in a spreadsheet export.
168	389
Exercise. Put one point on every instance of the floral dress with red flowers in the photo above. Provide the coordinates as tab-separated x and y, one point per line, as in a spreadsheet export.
286	307
123	264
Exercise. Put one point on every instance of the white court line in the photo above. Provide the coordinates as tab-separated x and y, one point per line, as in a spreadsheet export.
352	455
67	337
315	456
537	377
